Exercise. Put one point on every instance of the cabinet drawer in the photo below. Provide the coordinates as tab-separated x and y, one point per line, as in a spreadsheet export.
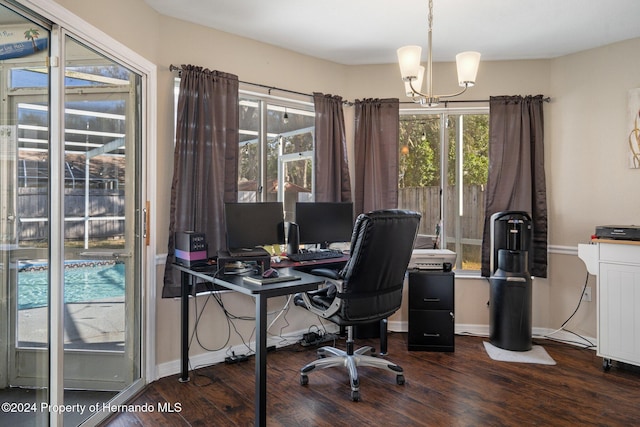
431	328
620	253
429	294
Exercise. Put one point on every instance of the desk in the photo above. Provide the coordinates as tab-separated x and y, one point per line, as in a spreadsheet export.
260	293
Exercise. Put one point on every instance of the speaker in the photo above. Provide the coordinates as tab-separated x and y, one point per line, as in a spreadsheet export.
190	248
293	238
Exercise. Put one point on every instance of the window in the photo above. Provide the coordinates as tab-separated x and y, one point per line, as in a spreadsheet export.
450	147
275	149
275	160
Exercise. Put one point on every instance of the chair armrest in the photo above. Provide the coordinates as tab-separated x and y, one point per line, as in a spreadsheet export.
335	304
326	272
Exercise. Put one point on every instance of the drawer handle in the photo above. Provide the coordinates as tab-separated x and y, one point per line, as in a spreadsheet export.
431	299
431	335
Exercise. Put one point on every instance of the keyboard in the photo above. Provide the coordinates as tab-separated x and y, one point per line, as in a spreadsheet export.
315	256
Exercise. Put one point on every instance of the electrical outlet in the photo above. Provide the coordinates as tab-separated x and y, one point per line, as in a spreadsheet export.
586	295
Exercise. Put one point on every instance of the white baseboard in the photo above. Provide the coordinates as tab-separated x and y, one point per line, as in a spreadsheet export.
396	326
483	331
539	333
211	358
214	357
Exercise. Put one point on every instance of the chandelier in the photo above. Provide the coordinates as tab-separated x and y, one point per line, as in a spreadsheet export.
413	73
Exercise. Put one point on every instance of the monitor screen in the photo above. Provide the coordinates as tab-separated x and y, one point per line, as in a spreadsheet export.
249	225
324	222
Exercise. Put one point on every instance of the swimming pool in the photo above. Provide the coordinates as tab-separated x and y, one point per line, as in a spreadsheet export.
84	281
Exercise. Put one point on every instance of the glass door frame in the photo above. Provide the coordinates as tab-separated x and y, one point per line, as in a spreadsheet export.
140	217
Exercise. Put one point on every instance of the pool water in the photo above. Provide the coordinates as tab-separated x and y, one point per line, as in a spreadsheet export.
83	282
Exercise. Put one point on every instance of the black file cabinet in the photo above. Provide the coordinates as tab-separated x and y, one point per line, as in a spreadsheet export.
431	310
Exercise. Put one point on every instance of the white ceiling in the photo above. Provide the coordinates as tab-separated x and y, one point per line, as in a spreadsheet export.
370	31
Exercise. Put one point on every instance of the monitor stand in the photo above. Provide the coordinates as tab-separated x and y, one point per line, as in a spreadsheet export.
263	260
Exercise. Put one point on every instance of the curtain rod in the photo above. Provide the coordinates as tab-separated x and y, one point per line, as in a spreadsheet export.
270	88
546	99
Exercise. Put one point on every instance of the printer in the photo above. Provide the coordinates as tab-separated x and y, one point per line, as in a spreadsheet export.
618	232
432	259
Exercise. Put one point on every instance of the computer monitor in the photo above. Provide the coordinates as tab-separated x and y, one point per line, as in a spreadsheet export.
250	225
324	222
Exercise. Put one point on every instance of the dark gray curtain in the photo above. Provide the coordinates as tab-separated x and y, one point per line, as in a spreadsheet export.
205	168
331	167
377	128
516	179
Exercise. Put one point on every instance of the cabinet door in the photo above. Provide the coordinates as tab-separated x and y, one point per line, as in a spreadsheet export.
619	312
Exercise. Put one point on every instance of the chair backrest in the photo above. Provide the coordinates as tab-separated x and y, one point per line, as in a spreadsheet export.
381	247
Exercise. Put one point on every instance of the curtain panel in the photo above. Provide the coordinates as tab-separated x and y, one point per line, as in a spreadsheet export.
205	169
377	129
332	180
516	180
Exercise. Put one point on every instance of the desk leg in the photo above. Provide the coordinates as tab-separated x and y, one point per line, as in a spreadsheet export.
184	326
383	337
261	361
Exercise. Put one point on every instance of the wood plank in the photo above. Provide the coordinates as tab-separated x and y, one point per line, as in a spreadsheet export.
465	387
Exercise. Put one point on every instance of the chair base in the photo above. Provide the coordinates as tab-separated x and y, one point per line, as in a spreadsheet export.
329	357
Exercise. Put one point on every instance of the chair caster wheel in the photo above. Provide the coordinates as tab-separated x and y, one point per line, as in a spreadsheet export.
304	380
400	379
355	395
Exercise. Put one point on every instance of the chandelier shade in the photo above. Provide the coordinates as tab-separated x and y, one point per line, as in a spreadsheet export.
467	64
409	60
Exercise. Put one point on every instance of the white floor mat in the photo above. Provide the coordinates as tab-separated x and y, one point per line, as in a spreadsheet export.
537	354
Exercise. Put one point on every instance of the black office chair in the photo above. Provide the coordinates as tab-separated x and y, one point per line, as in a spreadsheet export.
366	290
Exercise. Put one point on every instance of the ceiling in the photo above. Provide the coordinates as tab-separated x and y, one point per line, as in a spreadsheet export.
369	31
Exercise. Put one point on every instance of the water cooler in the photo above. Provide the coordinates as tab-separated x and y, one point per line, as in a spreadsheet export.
510	297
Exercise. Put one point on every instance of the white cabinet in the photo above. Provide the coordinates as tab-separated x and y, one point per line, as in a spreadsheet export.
617	266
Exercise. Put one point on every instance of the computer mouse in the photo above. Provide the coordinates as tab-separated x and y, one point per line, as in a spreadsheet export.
270	273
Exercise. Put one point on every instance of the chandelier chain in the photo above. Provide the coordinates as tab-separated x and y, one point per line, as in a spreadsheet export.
430	17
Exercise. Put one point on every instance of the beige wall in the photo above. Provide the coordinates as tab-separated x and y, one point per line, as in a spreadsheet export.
588	181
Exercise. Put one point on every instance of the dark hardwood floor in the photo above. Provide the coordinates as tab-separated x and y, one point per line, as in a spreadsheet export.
463	388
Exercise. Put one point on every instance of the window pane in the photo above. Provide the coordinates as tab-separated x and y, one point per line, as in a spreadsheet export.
419	179
275	151
469	161
298	184
249	150
290	138
29	78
